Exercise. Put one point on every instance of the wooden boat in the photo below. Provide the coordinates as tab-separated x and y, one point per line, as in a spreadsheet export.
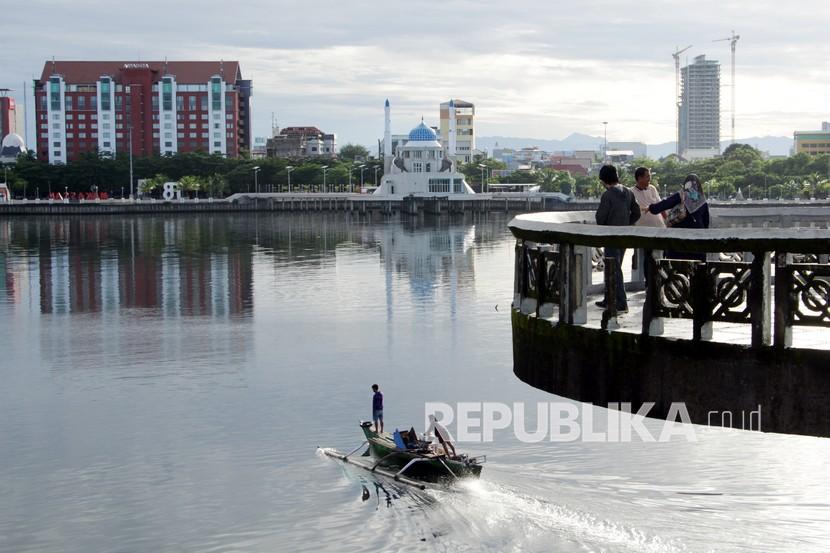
416	458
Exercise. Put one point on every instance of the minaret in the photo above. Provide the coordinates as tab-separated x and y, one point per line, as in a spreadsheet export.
451	133
387	140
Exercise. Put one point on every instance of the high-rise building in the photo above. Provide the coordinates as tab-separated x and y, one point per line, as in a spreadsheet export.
465	140
700	109
813	142
161	107
8	116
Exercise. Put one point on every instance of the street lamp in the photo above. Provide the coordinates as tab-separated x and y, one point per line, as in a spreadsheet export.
324	168
377	168
362	168
288	170
255	169
130	127
483	169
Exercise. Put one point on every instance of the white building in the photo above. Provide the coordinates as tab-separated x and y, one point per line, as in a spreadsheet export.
421	167
458	125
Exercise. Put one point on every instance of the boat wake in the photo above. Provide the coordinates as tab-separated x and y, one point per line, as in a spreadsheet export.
479	515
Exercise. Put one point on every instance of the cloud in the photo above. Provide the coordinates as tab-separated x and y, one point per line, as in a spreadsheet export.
533	68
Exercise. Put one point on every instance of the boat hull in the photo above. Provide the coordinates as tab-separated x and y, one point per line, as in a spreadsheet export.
383	447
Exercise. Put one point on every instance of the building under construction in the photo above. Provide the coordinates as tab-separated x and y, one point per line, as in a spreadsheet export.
700	109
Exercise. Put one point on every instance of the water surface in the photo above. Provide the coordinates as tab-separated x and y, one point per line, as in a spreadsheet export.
167	381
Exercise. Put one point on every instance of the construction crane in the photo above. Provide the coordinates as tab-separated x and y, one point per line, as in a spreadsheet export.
676	56
733	40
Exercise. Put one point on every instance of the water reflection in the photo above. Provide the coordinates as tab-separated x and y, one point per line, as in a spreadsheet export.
177	266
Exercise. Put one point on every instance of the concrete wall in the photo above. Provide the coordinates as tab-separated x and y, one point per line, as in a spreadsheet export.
599	367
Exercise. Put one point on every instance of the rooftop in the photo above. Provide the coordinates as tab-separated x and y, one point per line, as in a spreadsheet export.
88	72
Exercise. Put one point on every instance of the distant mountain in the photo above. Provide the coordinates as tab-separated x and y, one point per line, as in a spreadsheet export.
774	145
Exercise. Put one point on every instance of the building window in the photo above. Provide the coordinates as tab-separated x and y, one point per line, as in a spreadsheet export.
217	144
192	117
216	93
179	102
93	102
56	144
55	94
417	167
167	94
119	103
106	87
191	103
81	102
168	144
68	102
107	144
56	153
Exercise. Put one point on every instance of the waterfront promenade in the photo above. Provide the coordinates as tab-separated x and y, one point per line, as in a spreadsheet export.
502	202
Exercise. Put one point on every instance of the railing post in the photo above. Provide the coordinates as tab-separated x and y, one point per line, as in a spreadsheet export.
609	314
701	303
572	299
652	325
541	279
518	274
638	267
760	299
566	275
783	303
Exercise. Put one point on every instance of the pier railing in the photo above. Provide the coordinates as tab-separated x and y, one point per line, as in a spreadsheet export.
755	273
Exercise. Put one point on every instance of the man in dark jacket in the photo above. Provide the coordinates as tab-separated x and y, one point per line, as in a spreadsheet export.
617	207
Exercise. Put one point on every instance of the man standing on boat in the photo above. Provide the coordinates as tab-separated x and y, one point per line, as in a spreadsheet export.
377	408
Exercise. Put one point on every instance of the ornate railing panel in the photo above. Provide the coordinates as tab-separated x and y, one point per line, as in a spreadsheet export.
808	287
729	290
674	282
555	250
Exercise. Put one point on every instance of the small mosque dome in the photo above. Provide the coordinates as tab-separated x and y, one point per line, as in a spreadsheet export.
422	133
14	140
12	147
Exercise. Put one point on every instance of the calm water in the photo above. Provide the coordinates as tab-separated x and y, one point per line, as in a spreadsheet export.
166	383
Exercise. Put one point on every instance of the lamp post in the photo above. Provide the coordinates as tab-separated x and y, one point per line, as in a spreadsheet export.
483	169
288	170
351	168
362	168
255	169
324	168
377	168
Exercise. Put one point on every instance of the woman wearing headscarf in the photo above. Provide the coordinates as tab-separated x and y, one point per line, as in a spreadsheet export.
688	209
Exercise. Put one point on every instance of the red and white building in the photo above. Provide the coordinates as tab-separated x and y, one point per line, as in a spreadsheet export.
160	107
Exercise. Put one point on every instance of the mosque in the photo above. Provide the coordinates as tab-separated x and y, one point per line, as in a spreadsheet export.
422	166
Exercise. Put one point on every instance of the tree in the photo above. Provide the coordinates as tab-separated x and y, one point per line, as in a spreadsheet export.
151	184
744	153
354	152
216	185
551	180
190	184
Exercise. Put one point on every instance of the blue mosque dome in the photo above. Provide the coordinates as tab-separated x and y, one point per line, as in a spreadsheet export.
422	133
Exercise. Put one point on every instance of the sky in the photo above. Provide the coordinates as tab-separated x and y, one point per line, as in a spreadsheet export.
536	69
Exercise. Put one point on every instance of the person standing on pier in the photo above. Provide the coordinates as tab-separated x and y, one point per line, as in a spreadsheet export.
688	209
617	207
377	409
646	194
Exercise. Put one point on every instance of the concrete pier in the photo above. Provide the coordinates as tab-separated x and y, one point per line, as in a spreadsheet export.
743	331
